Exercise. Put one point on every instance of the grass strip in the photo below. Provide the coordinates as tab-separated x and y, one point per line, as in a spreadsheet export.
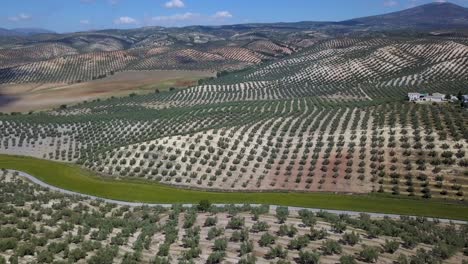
74	178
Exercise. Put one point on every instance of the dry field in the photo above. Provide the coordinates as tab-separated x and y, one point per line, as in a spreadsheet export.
40	96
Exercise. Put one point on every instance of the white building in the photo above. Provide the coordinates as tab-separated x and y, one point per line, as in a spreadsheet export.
436	97
424	97
414	97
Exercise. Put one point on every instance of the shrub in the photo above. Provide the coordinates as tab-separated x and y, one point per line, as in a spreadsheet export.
161	260
276	252
13	259
443	251
299	242
242	235
210	221
236	223
330	247
317	234
260	227
266	240
409	241
339	226
351	238
307	217
76	254
8	243
216	257
348	259
25	249
164	250
190	218
391	246
192	253
220	244
307	257
204	205
282	213
423	257
285	230
369	254
246	247
249	259
214	232
104	256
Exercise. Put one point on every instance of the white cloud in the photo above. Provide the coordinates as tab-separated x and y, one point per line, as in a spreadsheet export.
176	17
85	22
125	20
175	4
222	14
113	2
390	3
20	17
189	18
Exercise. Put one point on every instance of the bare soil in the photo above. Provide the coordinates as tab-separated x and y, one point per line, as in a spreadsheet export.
41	96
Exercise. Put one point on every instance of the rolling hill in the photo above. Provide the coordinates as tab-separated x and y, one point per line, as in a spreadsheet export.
83	56
429	16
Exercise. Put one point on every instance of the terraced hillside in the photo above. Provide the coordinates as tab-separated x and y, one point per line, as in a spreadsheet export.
80	57
332	117
359	68
344	69
38	225
83	56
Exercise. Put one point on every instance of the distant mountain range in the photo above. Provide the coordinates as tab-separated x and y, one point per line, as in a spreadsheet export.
433	15
18	32
425	17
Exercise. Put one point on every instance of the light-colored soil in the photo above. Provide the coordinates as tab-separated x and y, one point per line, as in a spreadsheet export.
37	96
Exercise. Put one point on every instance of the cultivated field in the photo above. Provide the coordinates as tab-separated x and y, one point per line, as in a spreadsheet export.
38	225
39	96
237	143
330	118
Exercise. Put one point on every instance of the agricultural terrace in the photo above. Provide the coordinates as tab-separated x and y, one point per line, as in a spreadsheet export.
45	227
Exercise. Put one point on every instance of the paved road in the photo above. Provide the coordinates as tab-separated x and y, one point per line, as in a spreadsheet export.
272	207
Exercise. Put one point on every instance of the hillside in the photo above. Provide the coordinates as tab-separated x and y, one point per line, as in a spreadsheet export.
22	32
84	56
433	15
331	117
88	56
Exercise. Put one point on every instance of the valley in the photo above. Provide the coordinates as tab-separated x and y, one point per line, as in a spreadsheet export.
298	142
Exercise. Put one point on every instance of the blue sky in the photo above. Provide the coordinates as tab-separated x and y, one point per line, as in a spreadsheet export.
80	15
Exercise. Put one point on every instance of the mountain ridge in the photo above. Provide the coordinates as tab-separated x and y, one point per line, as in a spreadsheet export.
24	32
427	16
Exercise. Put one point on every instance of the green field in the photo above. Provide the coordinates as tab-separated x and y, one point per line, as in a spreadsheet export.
73	178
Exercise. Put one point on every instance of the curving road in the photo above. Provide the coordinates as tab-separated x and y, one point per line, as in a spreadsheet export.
272	207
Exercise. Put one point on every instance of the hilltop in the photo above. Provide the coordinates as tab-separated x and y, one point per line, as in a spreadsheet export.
429	16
